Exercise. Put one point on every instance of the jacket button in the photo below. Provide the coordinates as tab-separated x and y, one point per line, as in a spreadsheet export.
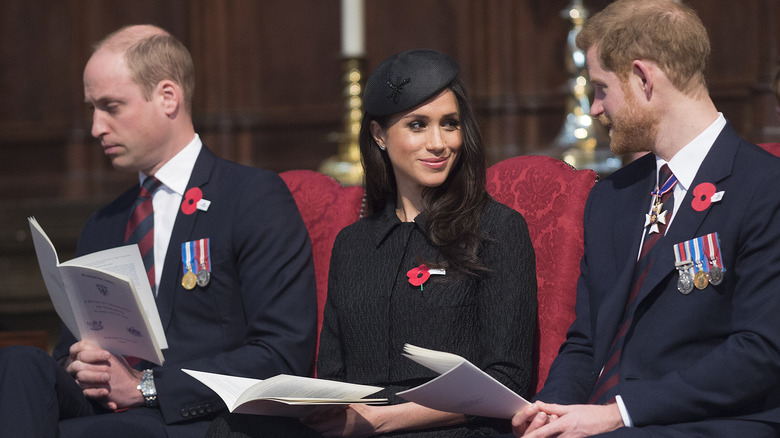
185	413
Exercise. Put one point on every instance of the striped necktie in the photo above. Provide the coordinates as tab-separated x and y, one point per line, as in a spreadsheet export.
140	227
606	386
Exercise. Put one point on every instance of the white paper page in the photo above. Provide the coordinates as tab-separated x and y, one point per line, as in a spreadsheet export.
467	390
228	388
278	408
126	261
48	261
438	361
304	387
111	316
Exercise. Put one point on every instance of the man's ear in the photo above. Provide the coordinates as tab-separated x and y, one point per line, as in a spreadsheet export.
644	72
170	95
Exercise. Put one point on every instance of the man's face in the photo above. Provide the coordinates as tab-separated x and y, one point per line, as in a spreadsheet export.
131	129
632	126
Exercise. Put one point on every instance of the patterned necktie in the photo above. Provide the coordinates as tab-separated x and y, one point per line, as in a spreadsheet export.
140	227
660	214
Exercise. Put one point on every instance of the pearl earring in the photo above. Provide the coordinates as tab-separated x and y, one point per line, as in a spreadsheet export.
382	147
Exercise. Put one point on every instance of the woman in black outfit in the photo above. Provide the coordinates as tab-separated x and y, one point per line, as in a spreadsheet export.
429	218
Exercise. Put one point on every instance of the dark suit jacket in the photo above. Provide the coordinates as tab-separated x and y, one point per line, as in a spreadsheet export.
712	353
257	316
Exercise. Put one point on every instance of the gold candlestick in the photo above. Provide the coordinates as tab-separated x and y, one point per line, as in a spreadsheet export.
345	166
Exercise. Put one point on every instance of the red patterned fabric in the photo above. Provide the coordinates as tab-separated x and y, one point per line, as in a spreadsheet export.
547	192
551	196
773	148
326	207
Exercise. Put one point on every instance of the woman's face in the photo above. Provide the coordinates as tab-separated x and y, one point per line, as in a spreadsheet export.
422	143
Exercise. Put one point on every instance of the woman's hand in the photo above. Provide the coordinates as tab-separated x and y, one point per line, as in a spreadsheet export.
359	420
355	421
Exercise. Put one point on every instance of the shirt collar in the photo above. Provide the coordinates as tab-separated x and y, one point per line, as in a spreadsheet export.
175	174
387	220
685	163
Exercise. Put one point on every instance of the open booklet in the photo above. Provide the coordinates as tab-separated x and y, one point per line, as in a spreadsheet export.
284	395
462	387
104	298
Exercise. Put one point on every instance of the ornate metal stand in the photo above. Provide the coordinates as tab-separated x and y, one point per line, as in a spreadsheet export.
582	142
345	166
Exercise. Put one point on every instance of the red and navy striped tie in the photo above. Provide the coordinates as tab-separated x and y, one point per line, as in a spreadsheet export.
140	227
606	387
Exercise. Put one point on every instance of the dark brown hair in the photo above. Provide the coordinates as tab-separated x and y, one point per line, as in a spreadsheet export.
453	210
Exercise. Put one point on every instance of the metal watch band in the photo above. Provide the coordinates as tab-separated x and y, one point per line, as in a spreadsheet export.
147	388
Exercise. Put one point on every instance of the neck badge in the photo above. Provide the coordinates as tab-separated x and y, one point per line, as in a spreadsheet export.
657	215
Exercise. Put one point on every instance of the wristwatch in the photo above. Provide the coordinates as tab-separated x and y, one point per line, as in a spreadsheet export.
148	389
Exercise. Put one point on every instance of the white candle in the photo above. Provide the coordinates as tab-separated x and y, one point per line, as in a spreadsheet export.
352	29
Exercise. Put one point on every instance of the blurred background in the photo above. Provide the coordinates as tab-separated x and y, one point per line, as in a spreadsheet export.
270	93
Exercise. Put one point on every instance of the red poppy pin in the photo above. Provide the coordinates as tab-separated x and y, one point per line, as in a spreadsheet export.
191	200
418	276
704	195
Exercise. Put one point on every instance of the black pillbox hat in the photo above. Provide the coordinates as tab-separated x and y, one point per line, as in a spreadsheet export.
407	79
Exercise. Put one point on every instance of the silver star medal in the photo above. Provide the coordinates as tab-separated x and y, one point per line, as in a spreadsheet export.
655	217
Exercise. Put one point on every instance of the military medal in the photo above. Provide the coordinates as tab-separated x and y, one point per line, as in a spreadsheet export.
699	263
684	265
203	257
196	263
701	267
204	276
712	249
716	274
700	280
657	214
189	280
685	283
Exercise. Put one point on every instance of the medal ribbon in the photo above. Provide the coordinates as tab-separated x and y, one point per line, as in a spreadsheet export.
700	260
682	255
666	187
712	246
188	256
690	256
196	255
203	255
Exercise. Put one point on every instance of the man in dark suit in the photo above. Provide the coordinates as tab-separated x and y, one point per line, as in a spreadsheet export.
250	311
677	331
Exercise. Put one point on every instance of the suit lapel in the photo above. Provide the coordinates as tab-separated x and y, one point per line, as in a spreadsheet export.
632	202
716	167
182	232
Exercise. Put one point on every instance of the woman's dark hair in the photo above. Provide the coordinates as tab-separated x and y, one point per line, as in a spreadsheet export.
453	210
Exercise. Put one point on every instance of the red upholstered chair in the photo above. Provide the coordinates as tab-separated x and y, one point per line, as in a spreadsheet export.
326	207
551	196
774	148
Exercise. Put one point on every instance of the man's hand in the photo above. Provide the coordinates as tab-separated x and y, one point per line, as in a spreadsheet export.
572	421
529	419
104	377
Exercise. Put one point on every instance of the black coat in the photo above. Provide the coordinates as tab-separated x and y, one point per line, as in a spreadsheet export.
372	309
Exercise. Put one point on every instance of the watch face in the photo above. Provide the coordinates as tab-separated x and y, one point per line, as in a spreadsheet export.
147	384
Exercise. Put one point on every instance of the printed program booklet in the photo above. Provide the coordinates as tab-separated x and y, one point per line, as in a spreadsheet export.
462	387
284	395
104	298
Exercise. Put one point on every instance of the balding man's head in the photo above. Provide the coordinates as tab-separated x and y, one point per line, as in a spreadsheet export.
152	55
